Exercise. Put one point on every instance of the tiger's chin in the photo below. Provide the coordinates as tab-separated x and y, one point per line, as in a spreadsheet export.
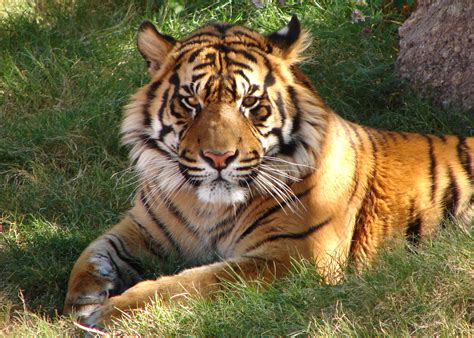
222	193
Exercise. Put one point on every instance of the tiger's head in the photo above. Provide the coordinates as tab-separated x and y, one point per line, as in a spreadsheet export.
226	111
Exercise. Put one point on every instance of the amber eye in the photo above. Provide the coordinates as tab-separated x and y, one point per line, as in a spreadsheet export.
191	102
250	102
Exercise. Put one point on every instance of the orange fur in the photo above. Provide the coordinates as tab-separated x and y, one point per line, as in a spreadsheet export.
303	183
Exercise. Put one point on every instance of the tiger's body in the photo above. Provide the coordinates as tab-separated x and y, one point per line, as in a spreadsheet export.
244	168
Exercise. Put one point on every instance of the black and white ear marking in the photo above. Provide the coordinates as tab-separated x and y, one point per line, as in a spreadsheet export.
288	35
290	42
153	45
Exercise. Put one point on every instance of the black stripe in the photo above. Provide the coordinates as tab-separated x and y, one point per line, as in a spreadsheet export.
194	55
236	63
413	229
151	143
190	43
360	219
285	149
372	142
220	224
247	167
248	36
253	88
432	167
245	54
175	80
269	80
249	45
296	119
185	222
198	35
355	177
229	220
191	179
250	159
150	95
234	89
383	135
269	77
197	40
124	255
153	244
242	74
211	56
159	224
187	89
207	87
221	48
164	102
178	115
165	130
203	65
281	107
290	147
197	77
189	159
465	157
297	235
375	142
228	49
451	198
119	284
269	212
194	168
222	27
261	113
393	136
223	232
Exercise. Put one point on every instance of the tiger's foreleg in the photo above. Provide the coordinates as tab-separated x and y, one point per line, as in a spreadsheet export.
107	267
199	281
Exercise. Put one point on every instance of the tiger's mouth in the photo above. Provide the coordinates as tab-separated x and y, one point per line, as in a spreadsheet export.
229	185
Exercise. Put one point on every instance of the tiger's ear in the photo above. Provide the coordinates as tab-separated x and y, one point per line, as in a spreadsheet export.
153	45
290	41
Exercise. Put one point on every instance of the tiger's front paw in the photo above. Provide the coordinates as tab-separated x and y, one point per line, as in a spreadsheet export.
90	285
82	305
103	314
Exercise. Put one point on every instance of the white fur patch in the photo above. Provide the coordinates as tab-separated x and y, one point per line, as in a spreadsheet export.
284	31
221	193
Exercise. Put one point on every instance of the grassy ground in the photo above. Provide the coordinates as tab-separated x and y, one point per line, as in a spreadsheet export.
65	72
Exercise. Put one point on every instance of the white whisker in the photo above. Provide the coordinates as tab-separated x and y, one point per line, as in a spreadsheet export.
273	190
286	188
277	159
262	186
280	172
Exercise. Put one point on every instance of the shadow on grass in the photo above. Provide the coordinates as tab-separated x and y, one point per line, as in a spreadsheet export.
35	261
37	257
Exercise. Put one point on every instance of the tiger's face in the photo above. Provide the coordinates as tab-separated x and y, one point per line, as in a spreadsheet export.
221	106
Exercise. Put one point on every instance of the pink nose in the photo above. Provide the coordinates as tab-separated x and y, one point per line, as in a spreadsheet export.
219	160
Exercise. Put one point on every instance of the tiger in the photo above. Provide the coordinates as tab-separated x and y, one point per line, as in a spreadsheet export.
243	169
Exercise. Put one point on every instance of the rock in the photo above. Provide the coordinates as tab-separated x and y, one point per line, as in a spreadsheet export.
437	52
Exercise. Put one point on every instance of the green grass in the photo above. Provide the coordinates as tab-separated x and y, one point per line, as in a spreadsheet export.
66	70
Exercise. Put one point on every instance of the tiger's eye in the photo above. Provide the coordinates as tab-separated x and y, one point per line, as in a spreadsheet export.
193	101
250	101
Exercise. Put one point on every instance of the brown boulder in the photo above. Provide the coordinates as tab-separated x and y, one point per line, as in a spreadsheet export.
437	52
